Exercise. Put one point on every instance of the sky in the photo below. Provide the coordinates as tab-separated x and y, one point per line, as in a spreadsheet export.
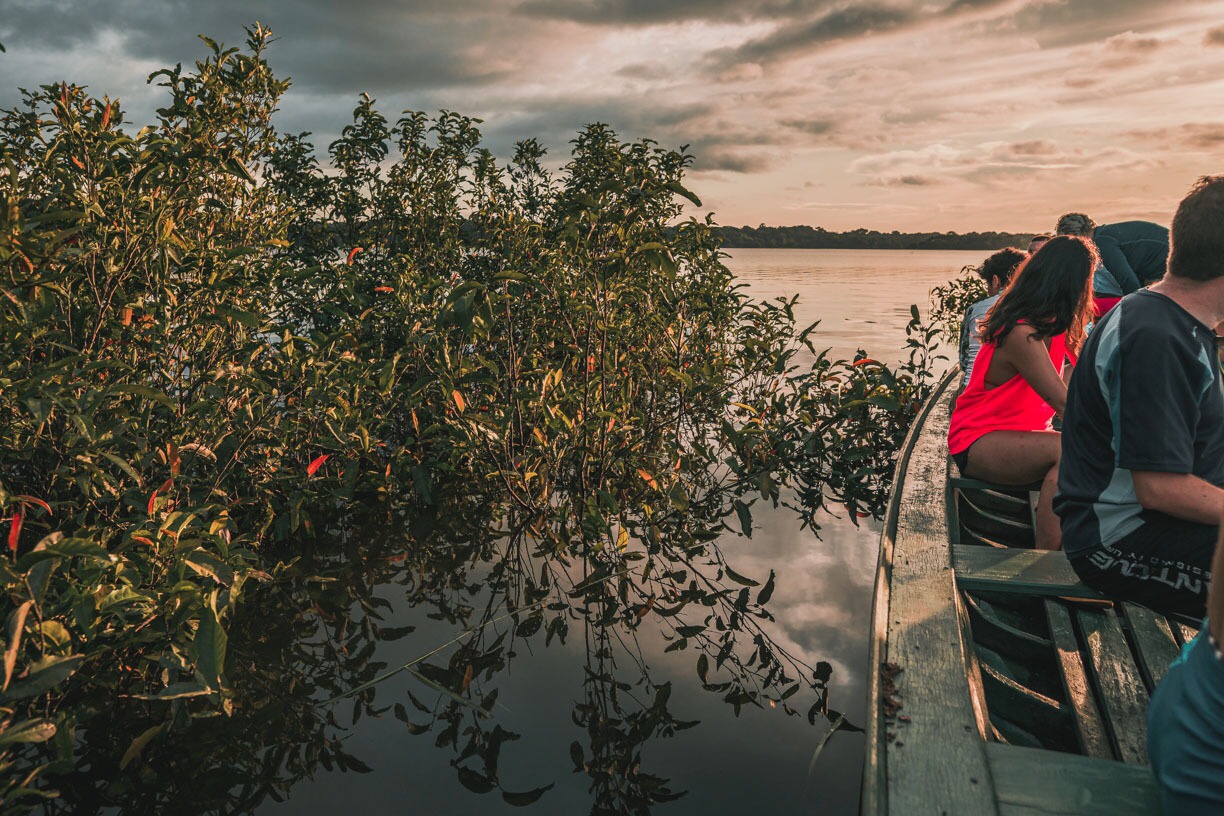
909	115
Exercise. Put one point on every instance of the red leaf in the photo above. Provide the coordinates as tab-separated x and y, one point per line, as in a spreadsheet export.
316	464
15	529
383	289
864	361
153	497
352	253
32	500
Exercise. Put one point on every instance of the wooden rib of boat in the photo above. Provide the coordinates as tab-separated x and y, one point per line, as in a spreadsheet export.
999	684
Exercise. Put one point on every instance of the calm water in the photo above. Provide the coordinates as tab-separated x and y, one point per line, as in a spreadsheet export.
758	762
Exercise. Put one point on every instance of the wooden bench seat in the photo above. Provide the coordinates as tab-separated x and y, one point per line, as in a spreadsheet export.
1030	572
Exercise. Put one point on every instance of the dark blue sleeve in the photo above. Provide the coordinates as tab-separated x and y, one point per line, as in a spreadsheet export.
1159	381
1115	261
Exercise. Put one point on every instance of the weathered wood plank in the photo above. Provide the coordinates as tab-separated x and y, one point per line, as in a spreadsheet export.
1184	632
1028	572
1094	741
1122	695
874	799
1030	782
937	762
1154	642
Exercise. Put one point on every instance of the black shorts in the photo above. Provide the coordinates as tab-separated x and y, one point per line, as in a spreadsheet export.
962	460
1164	565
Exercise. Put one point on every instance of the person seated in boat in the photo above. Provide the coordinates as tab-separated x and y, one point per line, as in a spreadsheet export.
1133	255
997	271
1141	482
1000	427
1037	242
1185	721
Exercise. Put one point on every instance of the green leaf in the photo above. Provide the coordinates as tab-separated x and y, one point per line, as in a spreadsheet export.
210	644
28	731
680	189
251	321
44	675
205	563
139	743
124	466
40	408
143	391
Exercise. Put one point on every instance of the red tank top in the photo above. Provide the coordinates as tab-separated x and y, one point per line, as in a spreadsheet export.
1012	406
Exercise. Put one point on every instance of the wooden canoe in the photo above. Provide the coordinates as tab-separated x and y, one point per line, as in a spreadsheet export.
999	684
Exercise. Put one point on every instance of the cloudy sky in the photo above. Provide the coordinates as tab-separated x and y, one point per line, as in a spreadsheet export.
897	114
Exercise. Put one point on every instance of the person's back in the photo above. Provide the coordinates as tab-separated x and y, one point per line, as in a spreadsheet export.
1141	246
1142	466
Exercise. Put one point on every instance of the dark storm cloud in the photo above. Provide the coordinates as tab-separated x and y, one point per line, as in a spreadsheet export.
1087	21
649	12
1214	36
368	45
839	24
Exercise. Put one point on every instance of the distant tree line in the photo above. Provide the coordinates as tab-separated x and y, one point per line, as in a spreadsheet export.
805	237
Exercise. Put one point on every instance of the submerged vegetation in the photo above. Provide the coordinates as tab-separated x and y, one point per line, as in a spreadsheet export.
239	393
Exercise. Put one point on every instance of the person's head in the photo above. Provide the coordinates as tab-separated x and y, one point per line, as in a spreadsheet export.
1196	240
1037	242
1075	224
1051	291
997	270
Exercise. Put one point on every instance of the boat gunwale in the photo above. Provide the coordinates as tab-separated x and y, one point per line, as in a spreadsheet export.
874	796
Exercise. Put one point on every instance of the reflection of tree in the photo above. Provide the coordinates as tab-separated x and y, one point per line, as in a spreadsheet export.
309	639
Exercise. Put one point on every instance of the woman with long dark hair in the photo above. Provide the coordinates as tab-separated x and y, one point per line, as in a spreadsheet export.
1000	429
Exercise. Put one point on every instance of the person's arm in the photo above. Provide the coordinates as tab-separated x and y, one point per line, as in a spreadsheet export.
1115	261
967	325
1031	358
1181	495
